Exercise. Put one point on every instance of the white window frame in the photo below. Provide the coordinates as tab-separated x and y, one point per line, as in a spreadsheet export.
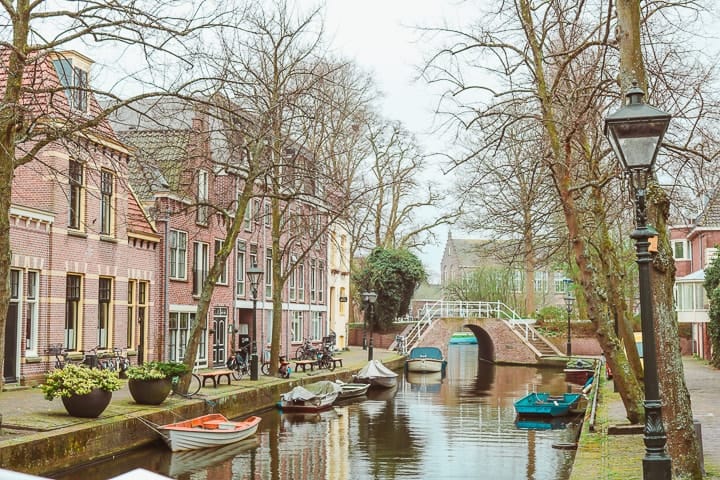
316	326
32	307
296	327
178	258
240	269
223	278
201	262
685	246
202	197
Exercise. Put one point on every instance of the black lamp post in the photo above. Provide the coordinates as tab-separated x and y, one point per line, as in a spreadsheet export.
635	133
254	274
369	299
569	301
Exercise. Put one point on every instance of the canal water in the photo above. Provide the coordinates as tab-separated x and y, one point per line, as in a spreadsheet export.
459	426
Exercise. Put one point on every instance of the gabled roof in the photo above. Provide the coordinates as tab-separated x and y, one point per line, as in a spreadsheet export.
137	218
710	215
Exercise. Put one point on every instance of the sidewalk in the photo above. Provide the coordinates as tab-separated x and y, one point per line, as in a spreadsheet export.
604	456
25	411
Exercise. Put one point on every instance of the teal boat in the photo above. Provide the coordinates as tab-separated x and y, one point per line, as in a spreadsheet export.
547	405
466	338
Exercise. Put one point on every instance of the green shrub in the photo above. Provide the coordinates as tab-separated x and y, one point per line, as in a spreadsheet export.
78	380
156	370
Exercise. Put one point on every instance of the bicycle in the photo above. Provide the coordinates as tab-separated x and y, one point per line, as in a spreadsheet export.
325	359
238	363
193	387
283	369
307	351
61	354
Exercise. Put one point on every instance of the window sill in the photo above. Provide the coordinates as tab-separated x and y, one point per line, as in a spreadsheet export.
76	233
178	279
30	357
106	238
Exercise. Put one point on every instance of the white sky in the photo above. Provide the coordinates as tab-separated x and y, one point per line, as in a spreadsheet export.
380	36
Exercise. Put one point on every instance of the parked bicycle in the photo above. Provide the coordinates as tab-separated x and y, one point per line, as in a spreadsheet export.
115	361
307	351
238	363
61	354
325	359
284	369
193	388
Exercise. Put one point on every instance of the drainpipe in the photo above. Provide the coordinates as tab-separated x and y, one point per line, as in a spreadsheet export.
166	287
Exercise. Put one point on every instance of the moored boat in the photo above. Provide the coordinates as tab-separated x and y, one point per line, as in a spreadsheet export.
579	370
377	375
545	404
425	359
352	390
313	397
206	431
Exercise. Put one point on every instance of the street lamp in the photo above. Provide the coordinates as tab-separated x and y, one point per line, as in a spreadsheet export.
635	133
254	274
569	301
369	299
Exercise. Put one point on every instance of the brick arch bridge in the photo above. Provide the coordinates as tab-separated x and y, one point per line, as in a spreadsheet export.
497	340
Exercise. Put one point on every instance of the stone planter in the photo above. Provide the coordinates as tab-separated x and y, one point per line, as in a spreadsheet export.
90	405
149	392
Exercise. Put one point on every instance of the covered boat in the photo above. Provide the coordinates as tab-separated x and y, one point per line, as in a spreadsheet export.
545	404
579	370
425	359
377	375
352	390
206	431
314	397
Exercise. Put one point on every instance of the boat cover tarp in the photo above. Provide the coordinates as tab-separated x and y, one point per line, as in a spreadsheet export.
426	352
375	369
308	392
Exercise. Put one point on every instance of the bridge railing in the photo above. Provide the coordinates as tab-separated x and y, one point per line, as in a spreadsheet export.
457	309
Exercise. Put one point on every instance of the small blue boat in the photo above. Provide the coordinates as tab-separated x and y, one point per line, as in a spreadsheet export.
544	404
466	338
425	359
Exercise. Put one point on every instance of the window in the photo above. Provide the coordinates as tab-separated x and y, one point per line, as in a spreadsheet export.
541	281
341	307
200	266
104	311
321	281
296	327
247	219
75	177
31	307
181	324
240	269
75	81
292	284
72	311
131	312
222	279
107	181
178	254
142	309
316	330
202	197
681	249
301	282
313	280
257	211
268	273
254	256
266	213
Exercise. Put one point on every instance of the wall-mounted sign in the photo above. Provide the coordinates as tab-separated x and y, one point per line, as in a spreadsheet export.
343	299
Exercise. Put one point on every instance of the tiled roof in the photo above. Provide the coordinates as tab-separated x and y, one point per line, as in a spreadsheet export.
710	215
137	220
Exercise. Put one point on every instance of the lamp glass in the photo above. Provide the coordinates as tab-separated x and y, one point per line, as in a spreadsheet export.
253	274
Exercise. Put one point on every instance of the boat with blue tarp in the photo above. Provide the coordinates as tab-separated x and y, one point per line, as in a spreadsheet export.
425	359
544	404
463	338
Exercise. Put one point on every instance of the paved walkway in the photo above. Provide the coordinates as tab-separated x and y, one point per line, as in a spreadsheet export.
25	410
605	456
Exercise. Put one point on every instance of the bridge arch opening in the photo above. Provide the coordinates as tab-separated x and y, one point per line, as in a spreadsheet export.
486	347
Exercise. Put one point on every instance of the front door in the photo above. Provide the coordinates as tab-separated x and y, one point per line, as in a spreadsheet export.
12	322
220	317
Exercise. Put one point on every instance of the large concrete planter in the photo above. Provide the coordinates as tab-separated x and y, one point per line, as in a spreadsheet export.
149	392
90	405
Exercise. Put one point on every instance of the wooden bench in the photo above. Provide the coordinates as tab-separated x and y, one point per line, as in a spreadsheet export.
337	361
304	364
215	376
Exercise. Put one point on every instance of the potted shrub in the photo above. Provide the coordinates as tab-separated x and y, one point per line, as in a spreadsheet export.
151	382
85	392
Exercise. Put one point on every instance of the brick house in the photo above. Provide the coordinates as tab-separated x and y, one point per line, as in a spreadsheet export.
83	252
179	166
694	246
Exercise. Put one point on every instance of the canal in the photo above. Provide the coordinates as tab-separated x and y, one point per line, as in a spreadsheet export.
456	427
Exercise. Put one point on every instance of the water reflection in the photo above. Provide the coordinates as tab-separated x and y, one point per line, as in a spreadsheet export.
429	426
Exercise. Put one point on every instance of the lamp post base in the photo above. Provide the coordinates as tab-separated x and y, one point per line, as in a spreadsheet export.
370	351
657	469
254	367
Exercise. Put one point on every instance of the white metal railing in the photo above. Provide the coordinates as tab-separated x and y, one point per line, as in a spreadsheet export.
454	309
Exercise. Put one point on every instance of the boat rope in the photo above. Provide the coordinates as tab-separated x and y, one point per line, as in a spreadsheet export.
152	426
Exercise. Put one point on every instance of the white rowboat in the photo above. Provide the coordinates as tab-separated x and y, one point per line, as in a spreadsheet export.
206	431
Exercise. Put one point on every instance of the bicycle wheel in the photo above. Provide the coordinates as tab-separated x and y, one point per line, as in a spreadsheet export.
300	354
195	384
237	371
265	368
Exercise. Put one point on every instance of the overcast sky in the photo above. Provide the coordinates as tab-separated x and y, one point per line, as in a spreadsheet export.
381	36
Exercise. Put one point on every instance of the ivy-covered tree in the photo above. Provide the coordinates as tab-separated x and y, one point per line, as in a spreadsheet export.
393	274
712	287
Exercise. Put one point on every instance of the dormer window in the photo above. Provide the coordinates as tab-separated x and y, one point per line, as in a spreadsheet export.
72	70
